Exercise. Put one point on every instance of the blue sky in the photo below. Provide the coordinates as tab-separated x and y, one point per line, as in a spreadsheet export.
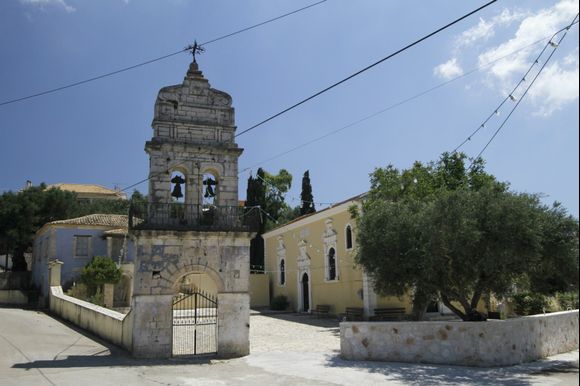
95	133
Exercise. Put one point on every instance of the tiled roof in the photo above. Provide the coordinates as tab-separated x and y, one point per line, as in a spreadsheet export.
110	220
85	188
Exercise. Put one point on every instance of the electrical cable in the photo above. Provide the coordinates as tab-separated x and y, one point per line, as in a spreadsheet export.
511	94
390	107
188	48
365	69
555	47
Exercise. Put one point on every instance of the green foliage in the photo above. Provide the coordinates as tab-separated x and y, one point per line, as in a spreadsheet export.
101	270
279	303
97	297
448	232
24	212
529	303
568	300
306	198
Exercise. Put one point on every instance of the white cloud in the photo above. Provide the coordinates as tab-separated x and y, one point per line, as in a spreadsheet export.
43	3
558	83
449	69
486	29
531	29
556	86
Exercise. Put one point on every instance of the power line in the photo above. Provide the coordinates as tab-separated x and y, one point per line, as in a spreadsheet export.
365	69
511	96
188	48
388	108
555	47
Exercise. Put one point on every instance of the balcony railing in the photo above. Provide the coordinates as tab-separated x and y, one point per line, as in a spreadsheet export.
177	216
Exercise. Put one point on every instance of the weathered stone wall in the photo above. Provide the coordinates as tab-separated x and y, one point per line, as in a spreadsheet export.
233	324
162	259
110	325
491	343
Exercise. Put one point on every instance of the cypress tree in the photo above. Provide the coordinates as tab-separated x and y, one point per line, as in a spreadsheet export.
306	198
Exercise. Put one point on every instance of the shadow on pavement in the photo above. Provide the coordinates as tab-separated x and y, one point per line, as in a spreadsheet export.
77	361
425	374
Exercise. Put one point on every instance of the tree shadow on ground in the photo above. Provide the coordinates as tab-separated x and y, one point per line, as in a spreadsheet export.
426	374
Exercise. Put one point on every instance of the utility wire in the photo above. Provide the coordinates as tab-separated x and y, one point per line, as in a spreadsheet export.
188	48
390	107
555	47
349	77
511	94
365	69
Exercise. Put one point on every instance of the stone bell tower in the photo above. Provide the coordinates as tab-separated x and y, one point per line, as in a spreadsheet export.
192	223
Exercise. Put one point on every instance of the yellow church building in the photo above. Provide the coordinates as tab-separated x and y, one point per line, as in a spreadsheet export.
311	261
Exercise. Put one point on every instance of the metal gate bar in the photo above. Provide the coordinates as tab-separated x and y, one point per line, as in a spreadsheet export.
194	324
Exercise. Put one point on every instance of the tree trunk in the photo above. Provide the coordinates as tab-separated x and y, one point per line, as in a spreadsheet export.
18	260
420	302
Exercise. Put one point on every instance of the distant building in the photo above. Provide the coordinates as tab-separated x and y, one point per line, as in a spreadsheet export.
75	242
90	192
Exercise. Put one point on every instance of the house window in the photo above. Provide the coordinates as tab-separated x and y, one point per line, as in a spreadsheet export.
282	272
331	264
348	237
116	248
82	245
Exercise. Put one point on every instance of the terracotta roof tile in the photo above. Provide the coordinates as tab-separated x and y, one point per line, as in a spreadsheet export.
110	220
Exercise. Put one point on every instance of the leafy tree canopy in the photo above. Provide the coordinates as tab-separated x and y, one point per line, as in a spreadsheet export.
446	231
23	213
268	191
101	270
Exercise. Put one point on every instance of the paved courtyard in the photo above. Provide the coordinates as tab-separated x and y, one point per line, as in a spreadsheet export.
288	349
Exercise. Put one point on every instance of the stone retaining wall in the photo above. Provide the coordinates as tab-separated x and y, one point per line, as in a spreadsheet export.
485	344
110	325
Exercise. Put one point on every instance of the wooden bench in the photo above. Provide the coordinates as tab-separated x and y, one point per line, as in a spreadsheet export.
321	309
395	313
354	313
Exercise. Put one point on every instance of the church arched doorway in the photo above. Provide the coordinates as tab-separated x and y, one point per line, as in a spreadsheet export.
305	293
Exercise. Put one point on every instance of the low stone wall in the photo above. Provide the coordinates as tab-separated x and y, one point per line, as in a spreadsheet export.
15	297
110	325
485	344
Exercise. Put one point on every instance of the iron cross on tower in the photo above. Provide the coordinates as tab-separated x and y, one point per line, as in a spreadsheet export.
195	49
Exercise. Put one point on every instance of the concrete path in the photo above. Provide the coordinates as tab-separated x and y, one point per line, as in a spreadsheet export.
289	349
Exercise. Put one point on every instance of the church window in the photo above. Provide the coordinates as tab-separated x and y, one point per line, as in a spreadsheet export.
331	274
348	234
282	272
